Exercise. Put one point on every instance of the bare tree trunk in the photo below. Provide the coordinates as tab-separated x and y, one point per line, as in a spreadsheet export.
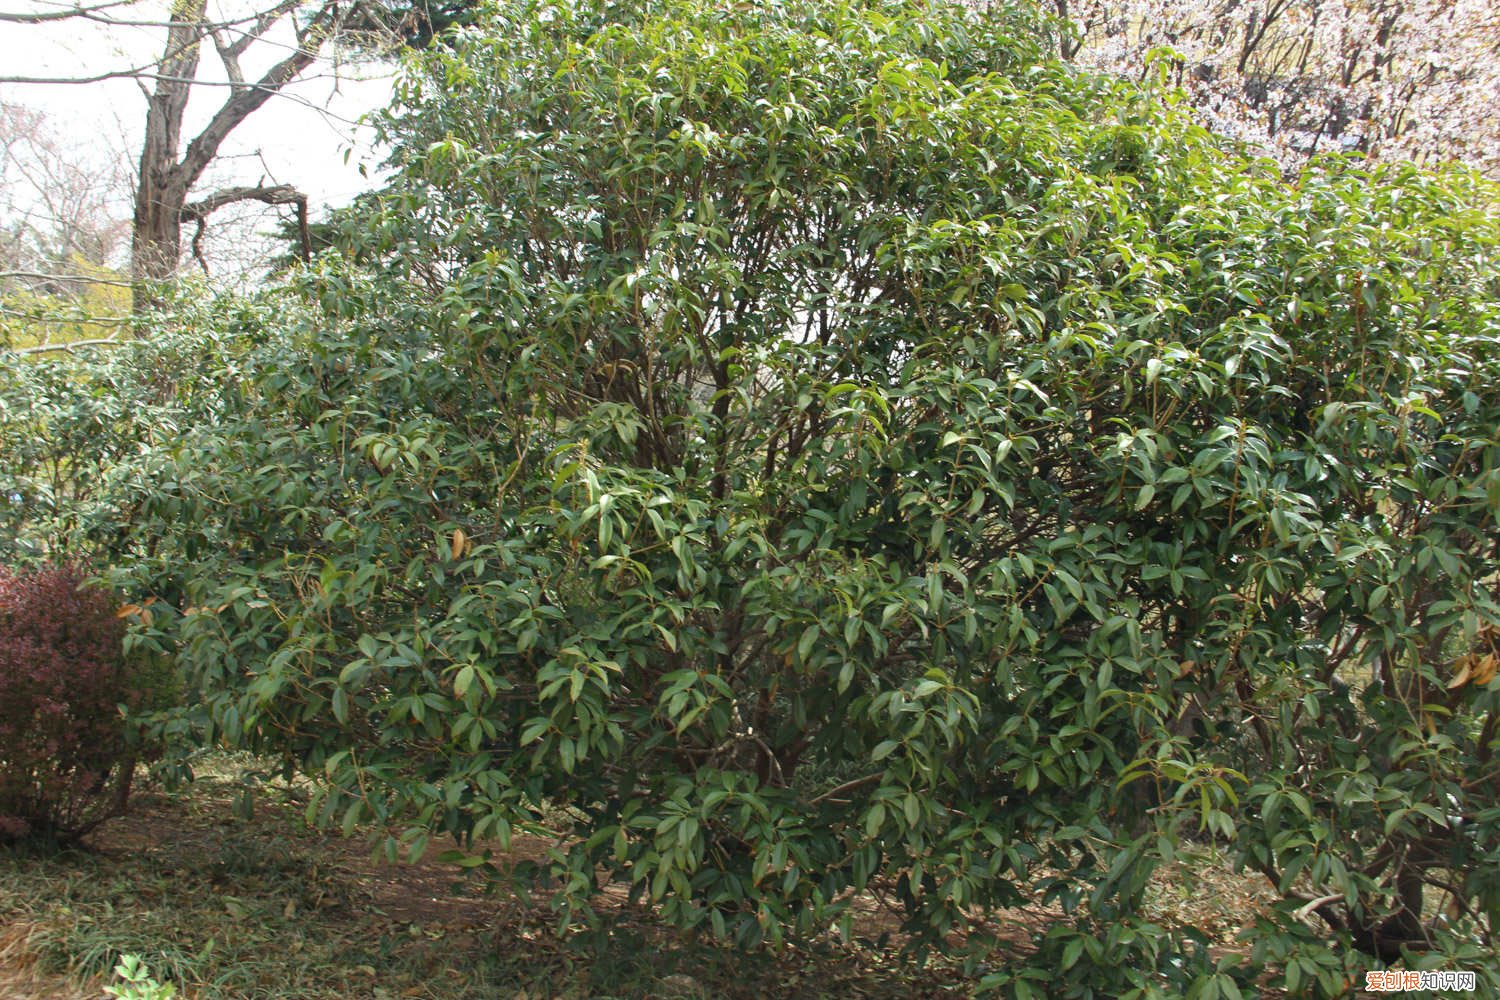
161	191
1067	45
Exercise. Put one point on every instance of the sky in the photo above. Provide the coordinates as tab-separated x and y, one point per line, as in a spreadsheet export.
300	137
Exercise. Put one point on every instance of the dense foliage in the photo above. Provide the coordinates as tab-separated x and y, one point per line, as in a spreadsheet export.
65	764
78	426
834	448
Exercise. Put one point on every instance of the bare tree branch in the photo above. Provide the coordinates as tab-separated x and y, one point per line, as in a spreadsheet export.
230	52
263	23
71	345
82	279
138	72
229	55
152	70
62	14
279	194
175	48
36	317
242	102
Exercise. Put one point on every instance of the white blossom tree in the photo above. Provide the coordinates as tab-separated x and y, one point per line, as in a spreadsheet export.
1394	79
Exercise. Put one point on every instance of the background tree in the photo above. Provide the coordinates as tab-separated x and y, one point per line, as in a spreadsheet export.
291	34
171	165
62	235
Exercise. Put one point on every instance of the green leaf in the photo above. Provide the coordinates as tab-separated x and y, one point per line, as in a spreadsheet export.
463	680
805	644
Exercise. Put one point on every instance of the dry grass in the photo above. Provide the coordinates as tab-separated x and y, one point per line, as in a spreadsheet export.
20	976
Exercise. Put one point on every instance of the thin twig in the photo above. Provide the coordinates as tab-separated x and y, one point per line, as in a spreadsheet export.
1316	904
69	347
12	17
81	278
848	786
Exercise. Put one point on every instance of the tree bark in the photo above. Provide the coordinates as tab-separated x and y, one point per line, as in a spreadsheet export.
161	191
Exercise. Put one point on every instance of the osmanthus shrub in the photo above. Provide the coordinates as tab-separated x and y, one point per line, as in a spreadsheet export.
830	448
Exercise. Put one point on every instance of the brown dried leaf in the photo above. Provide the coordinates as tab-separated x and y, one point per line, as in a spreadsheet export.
1463	675
1484	671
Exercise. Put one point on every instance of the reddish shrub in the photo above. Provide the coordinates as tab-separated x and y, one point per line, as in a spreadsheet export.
64	762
